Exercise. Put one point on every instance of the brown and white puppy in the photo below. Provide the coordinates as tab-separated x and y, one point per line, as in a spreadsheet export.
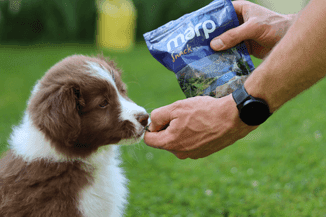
62	161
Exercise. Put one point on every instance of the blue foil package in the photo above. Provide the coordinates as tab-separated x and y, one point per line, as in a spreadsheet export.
183	46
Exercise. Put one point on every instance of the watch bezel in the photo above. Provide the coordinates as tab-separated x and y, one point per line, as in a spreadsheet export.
256	115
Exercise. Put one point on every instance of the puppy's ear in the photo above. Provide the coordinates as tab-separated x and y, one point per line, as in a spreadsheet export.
111	63
55	111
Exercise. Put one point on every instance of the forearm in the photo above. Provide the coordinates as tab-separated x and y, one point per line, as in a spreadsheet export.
297	62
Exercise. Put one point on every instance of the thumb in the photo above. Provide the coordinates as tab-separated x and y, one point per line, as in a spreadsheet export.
233	37
160	118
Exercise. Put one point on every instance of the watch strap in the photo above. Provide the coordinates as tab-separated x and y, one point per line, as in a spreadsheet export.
240	95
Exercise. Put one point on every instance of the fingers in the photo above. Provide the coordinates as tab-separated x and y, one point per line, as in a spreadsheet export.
192	154
234	36
246	31
160	118
238	6
156	139
158	135
196	154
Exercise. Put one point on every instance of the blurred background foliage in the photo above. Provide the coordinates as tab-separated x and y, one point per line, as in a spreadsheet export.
59	21
35	21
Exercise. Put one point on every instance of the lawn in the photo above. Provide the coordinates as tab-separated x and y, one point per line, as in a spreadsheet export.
277	170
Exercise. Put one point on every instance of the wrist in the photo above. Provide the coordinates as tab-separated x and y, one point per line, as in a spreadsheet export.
260	85
292	17
233	113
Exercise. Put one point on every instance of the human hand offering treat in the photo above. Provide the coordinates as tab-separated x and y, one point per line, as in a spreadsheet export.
183	46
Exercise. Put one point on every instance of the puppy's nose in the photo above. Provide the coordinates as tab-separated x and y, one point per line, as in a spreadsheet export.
142	119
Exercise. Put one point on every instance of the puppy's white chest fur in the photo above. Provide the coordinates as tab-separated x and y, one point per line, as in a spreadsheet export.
106	196
64	157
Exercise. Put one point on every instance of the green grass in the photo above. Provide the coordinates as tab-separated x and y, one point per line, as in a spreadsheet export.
277	170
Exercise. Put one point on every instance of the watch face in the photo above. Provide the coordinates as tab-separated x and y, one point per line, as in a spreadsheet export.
254	112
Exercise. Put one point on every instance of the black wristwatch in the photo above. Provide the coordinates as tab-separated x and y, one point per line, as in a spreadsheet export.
252	111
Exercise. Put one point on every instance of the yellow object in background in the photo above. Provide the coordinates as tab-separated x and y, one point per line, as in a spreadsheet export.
116	24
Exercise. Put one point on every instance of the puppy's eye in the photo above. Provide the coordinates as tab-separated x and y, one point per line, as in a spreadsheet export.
104	104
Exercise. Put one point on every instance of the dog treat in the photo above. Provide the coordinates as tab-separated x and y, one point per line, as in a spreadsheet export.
183	46
147	128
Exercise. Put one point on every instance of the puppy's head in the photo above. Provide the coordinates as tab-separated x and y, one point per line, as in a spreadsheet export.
82	104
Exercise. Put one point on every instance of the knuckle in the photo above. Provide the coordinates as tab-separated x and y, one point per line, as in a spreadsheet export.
258	25
154	114
176	104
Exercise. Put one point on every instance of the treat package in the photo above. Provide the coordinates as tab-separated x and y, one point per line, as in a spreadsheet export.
183	46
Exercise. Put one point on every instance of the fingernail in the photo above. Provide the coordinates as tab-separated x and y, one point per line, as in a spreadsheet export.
217	44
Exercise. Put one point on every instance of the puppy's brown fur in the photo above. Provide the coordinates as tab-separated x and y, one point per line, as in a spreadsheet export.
75	111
